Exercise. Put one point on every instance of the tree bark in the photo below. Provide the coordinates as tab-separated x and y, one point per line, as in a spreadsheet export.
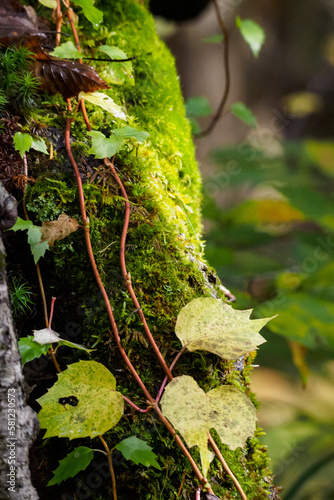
18	422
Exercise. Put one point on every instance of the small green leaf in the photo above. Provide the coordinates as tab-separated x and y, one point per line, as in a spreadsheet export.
113	52
74	462
214	38
52	4
39	145
138	451
22	142
94	15
211	325
105	102
131	133
193	413
29	349
252	33
21	225
198	106
244	114
103	147
67	50
37	248
195	126
99	406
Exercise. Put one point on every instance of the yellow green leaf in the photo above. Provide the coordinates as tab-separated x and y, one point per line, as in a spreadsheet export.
193	413
211	325
99	407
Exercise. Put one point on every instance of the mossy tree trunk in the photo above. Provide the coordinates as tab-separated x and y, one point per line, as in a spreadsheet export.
164	256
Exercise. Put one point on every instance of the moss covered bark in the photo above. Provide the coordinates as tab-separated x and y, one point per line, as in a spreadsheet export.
163	254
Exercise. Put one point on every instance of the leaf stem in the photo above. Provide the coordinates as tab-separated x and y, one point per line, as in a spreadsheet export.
171	368
126	275
135	406
226	467
93	263
221	106
111	468
59	22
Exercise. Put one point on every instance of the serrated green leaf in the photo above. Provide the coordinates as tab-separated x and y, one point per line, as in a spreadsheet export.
211	325
193	413
217	38
66	50
138	451
52	4
113	52
37	248
244	114
131	133
22	142
74	462
105	102
21	225
39	145
94	15
99	406
198	106
103	147
252	33
29	349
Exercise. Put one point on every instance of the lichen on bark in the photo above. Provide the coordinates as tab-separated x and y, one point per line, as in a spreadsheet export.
164	254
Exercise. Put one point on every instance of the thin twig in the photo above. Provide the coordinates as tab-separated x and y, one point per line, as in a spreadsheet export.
93	263
182	481
131	403
221	106
171	368
226	467
111	468
59	22
126	275
141	384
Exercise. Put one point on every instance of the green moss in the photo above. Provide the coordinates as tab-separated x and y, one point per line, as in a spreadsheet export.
163	251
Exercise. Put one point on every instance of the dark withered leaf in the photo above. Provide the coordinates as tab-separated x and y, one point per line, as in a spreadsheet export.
67	77
19	27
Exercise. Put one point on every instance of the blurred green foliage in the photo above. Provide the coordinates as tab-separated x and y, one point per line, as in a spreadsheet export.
270	235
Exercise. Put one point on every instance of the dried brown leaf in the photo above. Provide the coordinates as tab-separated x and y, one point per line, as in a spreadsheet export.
58	229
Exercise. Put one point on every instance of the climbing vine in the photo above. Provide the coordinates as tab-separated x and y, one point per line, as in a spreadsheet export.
205	324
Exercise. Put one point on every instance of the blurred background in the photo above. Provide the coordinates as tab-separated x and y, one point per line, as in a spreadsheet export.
269	207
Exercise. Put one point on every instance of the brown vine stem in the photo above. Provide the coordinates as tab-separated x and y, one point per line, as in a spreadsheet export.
85	220
59	22
104	294
226	467
126	275
221	106
163	419
78	46
38	270
111	468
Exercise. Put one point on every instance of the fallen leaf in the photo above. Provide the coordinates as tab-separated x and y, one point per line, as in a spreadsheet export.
58	229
